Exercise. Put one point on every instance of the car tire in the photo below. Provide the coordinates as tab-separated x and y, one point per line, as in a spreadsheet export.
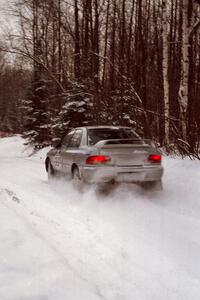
50	171
76	178
76	174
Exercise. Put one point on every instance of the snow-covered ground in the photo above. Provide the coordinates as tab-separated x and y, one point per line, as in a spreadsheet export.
59	244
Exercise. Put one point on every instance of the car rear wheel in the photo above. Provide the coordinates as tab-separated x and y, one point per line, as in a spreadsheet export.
76	179
76	174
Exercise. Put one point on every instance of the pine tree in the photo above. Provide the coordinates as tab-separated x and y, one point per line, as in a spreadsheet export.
37	117
77	110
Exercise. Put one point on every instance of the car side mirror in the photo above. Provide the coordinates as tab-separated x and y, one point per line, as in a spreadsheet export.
56	143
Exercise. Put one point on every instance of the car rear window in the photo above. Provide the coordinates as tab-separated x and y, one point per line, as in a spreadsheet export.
96	135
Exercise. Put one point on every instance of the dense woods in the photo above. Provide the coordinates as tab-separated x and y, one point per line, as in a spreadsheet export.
115	62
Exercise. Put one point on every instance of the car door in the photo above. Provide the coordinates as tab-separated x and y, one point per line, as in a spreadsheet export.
71	154
63	149
56	159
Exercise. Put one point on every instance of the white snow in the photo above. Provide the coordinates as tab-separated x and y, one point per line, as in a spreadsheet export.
59	244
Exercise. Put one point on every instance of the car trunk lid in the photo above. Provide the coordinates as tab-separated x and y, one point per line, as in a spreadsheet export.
125	152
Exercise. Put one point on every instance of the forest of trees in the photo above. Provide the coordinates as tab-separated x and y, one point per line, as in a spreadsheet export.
116	62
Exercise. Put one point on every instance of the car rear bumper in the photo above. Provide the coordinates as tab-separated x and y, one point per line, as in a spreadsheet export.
101	174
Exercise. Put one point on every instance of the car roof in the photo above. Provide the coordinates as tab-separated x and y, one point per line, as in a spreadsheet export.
102	127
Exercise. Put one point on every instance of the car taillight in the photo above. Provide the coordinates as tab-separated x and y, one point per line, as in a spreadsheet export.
155	158
97	159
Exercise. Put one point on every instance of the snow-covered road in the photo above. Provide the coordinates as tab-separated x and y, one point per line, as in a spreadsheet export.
59	244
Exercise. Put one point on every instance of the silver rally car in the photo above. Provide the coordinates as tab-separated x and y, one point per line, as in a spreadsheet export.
103	154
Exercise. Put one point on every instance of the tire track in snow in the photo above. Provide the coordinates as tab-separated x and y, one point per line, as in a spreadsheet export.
11	194
21	213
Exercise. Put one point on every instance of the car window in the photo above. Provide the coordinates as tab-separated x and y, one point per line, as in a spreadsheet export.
76	139
96	135
67	139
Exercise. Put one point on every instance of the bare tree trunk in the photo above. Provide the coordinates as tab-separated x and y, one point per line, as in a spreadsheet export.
59	43
96	57
130	32
106	42
36	42
122	56
54	38
77	42
183	90
112	47
165	69
86	70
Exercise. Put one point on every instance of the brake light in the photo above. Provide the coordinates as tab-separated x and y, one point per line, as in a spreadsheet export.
97	159
155	158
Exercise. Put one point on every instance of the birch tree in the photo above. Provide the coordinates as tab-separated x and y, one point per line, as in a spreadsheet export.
183	90
189	27
165	69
